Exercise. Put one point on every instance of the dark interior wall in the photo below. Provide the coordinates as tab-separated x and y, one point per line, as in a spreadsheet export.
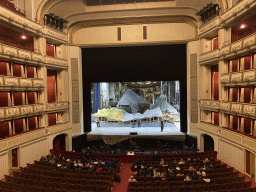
134	63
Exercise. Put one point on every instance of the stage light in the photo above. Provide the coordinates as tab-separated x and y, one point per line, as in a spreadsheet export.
242	26
23	37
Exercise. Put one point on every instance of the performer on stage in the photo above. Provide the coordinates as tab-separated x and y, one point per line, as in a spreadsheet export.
98	123
162	125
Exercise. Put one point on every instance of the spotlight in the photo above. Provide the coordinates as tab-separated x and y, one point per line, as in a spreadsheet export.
242	26
23	37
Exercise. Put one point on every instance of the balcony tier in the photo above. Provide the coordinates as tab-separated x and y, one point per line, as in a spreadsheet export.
209	57
57	106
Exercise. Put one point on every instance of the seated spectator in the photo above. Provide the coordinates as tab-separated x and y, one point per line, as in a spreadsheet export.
180	174
161	162
188	178
188	161
191	169
156	173
211	167
203	175
52	160
117	178
181	162
99	169
131	179
163	176
155	156
206	160
134	172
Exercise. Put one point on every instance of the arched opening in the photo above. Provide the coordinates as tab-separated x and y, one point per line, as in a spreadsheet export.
208	143
59	142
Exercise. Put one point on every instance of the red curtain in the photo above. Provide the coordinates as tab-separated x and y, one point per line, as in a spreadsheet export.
18	123
247	95
235	93
56	143
216	119
50	49
247	61
235	122
248	162
17	98
30	72
215	43
4	129
216	86
31	97
52	119
16	70
247	126
3	68
3	99
32	123
51	89
234	65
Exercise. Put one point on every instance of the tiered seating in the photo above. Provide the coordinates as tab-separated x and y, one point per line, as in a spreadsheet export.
45	176
221	178
11	7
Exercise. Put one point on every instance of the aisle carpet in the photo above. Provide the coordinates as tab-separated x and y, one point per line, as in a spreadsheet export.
124	175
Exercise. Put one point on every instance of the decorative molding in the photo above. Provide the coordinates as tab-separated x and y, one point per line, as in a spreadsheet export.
57	106
27	55
38	82
37	57
249	75
209	27
237	77
10	51
26	110
1	80
25	82
214	54
225	78
250	110
236	46
54	34
237	108
11	81
2	116
11	112
225	50
225	106
55	61
249	41
38	108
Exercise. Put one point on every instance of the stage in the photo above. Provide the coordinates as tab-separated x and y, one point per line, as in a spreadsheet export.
112	133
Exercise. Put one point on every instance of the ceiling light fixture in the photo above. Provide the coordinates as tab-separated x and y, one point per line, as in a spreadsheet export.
23	37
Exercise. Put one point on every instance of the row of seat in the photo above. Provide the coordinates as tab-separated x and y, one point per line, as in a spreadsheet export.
215	187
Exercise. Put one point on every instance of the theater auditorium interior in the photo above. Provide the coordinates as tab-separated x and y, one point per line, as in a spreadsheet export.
127	95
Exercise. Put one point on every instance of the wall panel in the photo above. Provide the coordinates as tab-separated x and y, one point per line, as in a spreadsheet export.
3	164
231	154
33	151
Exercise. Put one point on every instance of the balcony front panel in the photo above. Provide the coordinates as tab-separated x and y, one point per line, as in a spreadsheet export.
54	34
1	80
58	128
27	55
25	82
225	106
204	103
61	105
57	106
237	108
19	21
209	27
225	78
55	61
10	51
225	50
249	41
11	81
37	57
236	46
38	108
249	76
2	116
237	77
26	110
38	83
50	106
215	104
12	112
209	56
250	110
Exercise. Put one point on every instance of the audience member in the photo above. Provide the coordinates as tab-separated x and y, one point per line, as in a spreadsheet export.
132	179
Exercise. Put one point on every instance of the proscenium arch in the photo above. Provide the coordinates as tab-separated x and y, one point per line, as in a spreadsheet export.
133	21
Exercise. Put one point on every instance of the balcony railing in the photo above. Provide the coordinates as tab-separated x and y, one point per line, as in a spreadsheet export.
56	106
209	56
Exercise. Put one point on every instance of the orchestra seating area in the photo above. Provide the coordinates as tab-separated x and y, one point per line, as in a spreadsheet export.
9	5
44	175
221	177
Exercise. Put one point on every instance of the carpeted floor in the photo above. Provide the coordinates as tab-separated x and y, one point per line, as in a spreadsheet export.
124	175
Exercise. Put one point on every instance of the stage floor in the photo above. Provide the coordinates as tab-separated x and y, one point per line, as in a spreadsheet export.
121	131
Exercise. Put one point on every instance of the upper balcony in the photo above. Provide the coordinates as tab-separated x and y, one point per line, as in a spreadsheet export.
210	29
237	12
209	57
54	36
